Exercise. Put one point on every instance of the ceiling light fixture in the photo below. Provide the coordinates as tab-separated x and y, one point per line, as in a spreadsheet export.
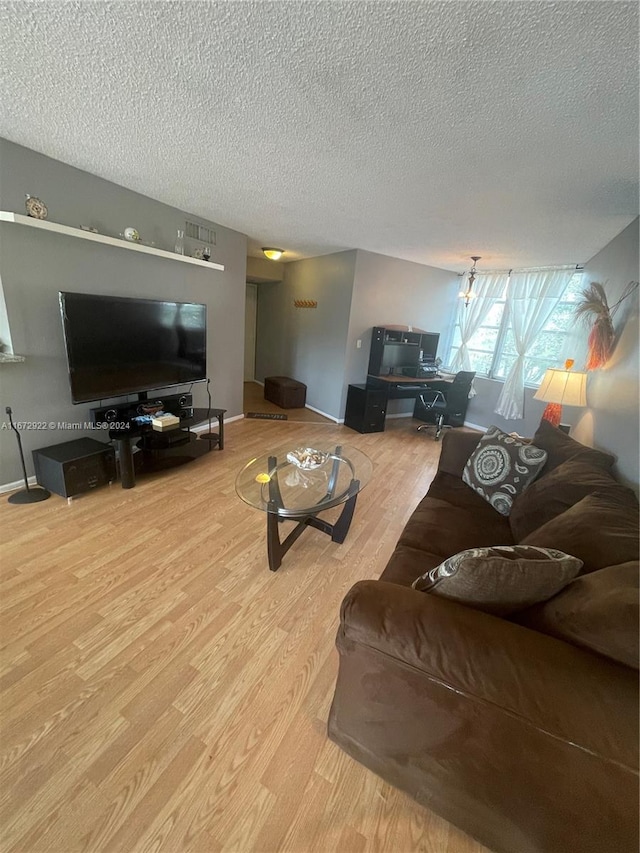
468	294
273	254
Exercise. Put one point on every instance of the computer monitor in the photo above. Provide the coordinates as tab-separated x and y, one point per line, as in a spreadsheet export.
399	355
430	342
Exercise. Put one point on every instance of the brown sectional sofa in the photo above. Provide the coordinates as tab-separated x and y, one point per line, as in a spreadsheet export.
522	731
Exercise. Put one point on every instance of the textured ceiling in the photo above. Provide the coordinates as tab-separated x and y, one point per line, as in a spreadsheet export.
428	131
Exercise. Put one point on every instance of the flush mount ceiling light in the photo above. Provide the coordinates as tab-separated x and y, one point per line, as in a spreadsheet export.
273	254
468	294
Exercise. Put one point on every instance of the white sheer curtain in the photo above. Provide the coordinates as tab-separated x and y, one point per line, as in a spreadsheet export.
488	288
531	298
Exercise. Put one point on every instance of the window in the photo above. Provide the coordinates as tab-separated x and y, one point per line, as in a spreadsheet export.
492	348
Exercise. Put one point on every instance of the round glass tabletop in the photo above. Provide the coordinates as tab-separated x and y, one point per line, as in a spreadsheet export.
292	481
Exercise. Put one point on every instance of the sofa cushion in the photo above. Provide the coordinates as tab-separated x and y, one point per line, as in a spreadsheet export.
598	611
502	579
554	492
457	447
601	530
501	467
560	447
406	563
452	518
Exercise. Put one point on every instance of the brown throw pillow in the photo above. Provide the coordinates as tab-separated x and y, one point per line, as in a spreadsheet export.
500	580
601	530
501	467
597	611
560	447
554	492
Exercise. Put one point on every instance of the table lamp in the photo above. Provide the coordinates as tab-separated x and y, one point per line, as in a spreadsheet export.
561	387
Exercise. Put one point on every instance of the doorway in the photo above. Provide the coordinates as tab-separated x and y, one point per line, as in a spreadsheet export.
250	326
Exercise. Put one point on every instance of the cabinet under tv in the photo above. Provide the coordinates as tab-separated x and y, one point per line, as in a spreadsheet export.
143	450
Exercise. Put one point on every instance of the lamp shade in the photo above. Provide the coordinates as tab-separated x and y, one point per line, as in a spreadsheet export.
566	387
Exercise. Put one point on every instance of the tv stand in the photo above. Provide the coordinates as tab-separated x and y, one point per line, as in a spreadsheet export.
165	449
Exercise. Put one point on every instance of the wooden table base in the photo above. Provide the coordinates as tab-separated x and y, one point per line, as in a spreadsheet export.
338	531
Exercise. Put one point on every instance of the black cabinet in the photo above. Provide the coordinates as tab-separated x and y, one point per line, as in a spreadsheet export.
400	350
366	409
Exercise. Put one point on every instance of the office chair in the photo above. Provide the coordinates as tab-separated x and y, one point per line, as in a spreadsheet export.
450	403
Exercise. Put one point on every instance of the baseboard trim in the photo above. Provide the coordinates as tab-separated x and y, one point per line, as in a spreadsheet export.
18	484
475	426
214	422
324	414
400	415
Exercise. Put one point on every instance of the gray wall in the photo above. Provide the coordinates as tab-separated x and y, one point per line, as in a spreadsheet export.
481	409
355	291
390	291
610	421
35	265
308	344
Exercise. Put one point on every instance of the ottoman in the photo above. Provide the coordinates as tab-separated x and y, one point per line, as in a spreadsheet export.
285	392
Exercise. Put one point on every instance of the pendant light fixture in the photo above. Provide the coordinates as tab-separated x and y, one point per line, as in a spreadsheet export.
468	294
272	254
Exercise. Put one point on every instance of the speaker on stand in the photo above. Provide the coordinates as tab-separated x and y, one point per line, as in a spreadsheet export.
27	495
209	436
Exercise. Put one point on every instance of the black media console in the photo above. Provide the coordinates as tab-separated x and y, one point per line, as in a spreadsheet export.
74	467
167	448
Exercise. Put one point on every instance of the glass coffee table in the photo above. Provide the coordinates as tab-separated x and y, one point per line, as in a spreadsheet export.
296	483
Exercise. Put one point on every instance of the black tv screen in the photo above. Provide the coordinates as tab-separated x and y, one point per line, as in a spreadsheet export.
117	346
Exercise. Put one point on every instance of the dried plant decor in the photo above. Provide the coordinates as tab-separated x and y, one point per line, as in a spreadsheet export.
594	309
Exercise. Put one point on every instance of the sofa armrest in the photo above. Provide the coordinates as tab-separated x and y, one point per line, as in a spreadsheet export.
558	688
457	447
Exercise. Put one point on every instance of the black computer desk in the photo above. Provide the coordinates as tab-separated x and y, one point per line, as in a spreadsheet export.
407	387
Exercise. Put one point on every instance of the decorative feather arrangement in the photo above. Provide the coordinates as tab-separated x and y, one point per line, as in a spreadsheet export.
594	308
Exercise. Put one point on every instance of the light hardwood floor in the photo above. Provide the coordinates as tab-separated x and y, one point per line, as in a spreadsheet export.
254	402
163	691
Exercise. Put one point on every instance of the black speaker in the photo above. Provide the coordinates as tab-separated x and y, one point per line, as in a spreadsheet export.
74	467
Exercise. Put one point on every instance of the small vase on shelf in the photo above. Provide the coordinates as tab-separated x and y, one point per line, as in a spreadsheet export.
180	243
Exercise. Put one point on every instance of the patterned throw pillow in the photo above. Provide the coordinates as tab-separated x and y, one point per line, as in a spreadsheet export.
501	467
503	579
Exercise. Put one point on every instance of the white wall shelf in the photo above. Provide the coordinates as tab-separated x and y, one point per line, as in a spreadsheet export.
45	225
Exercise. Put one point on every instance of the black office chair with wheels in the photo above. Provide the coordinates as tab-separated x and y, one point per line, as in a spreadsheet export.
448	403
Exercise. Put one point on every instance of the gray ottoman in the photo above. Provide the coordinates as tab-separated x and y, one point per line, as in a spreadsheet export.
285	392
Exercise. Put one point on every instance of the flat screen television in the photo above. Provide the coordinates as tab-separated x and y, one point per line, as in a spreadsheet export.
117	346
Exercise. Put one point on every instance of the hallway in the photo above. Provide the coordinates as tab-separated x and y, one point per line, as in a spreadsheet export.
254	402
